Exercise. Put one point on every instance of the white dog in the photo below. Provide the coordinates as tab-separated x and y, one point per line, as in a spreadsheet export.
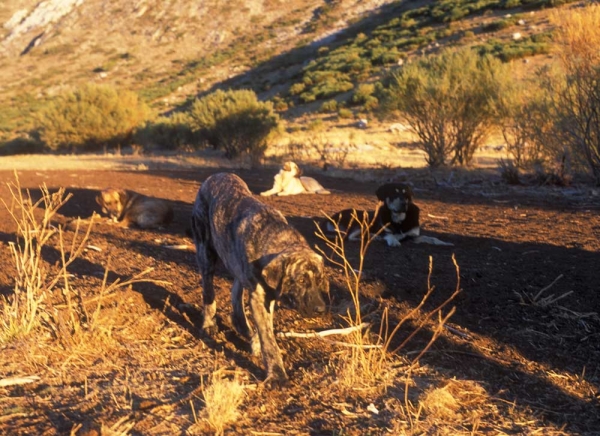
289	182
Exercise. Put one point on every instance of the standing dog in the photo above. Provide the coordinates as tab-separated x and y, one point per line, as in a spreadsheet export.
264	254
130	208
289	181
396	218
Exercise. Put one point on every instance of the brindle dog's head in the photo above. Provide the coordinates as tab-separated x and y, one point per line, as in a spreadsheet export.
299	278
112	201
396	197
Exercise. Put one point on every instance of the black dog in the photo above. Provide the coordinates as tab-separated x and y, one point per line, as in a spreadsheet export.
396	218
264	254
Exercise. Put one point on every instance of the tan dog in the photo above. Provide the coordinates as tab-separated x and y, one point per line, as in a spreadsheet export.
288	181
130	208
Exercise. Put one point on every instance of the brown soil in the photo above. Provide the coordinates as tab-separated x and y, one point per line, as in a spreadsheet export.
536	368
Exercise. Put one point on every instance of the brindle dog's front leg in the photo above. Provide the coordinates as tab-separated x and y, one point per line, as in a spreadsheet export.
270	351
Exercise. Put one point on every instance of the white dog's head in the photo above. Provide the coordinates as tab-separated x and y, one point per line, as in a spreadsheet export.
292	168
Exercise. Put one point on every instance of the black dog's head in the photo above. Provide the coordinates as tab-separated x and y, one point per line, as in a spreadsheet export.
396	197
299	278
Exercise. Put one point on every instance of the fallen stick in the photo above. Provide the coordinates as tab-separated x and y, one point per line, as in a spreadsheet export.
11	381
185	247
324	333
457	332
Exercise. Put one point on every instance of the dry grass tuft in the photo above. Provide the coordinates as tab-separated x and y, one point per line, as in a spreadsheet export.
457	401
368	363
222	400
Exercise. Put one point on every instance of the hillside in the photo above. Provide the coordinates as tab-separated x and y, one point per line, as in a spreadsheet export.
172	51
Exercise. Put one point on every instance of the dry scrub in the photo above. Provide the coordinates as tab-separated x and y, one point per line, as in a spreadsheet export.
222	399
44	304
368	363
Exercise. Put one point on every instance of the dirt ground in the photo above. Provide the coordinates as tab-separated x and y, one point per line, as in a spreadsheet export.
536	366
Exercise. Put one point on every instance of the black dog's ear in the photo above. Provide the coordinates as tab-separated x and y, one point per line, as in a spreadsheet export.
383	192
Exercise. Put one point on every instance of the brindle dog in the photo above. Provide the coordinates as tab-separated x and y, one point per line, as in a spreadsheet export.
130	208
265	255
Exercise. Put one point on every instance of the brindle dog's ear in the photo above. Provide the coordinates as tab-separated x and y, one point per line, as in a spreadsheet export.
273	273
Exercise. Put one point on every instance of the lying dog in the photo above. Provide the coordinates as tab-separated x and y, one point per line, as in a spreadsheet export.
395	219
288	181
264	254
130	208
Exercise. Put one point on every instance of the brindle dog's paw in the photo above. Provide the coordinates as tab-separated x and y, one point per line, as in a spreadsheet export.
210	330
277	378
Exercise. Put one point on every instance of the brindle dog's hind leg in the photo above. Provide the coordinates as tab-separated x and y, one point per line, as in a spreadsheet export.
207	259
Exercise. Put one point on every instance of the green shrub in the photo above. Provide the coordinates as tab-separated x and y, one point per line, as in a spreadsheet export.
279	104
168	133
91	117
235	121
329	106
448	100
345	113
20	145
362	93
497	25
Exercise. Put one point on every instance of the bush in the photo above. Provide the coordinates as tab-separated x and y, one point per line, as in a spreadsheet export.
448	100
91	117
329	106
169	133
345	113
576	96
20	145
362	93
235	121
528	125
